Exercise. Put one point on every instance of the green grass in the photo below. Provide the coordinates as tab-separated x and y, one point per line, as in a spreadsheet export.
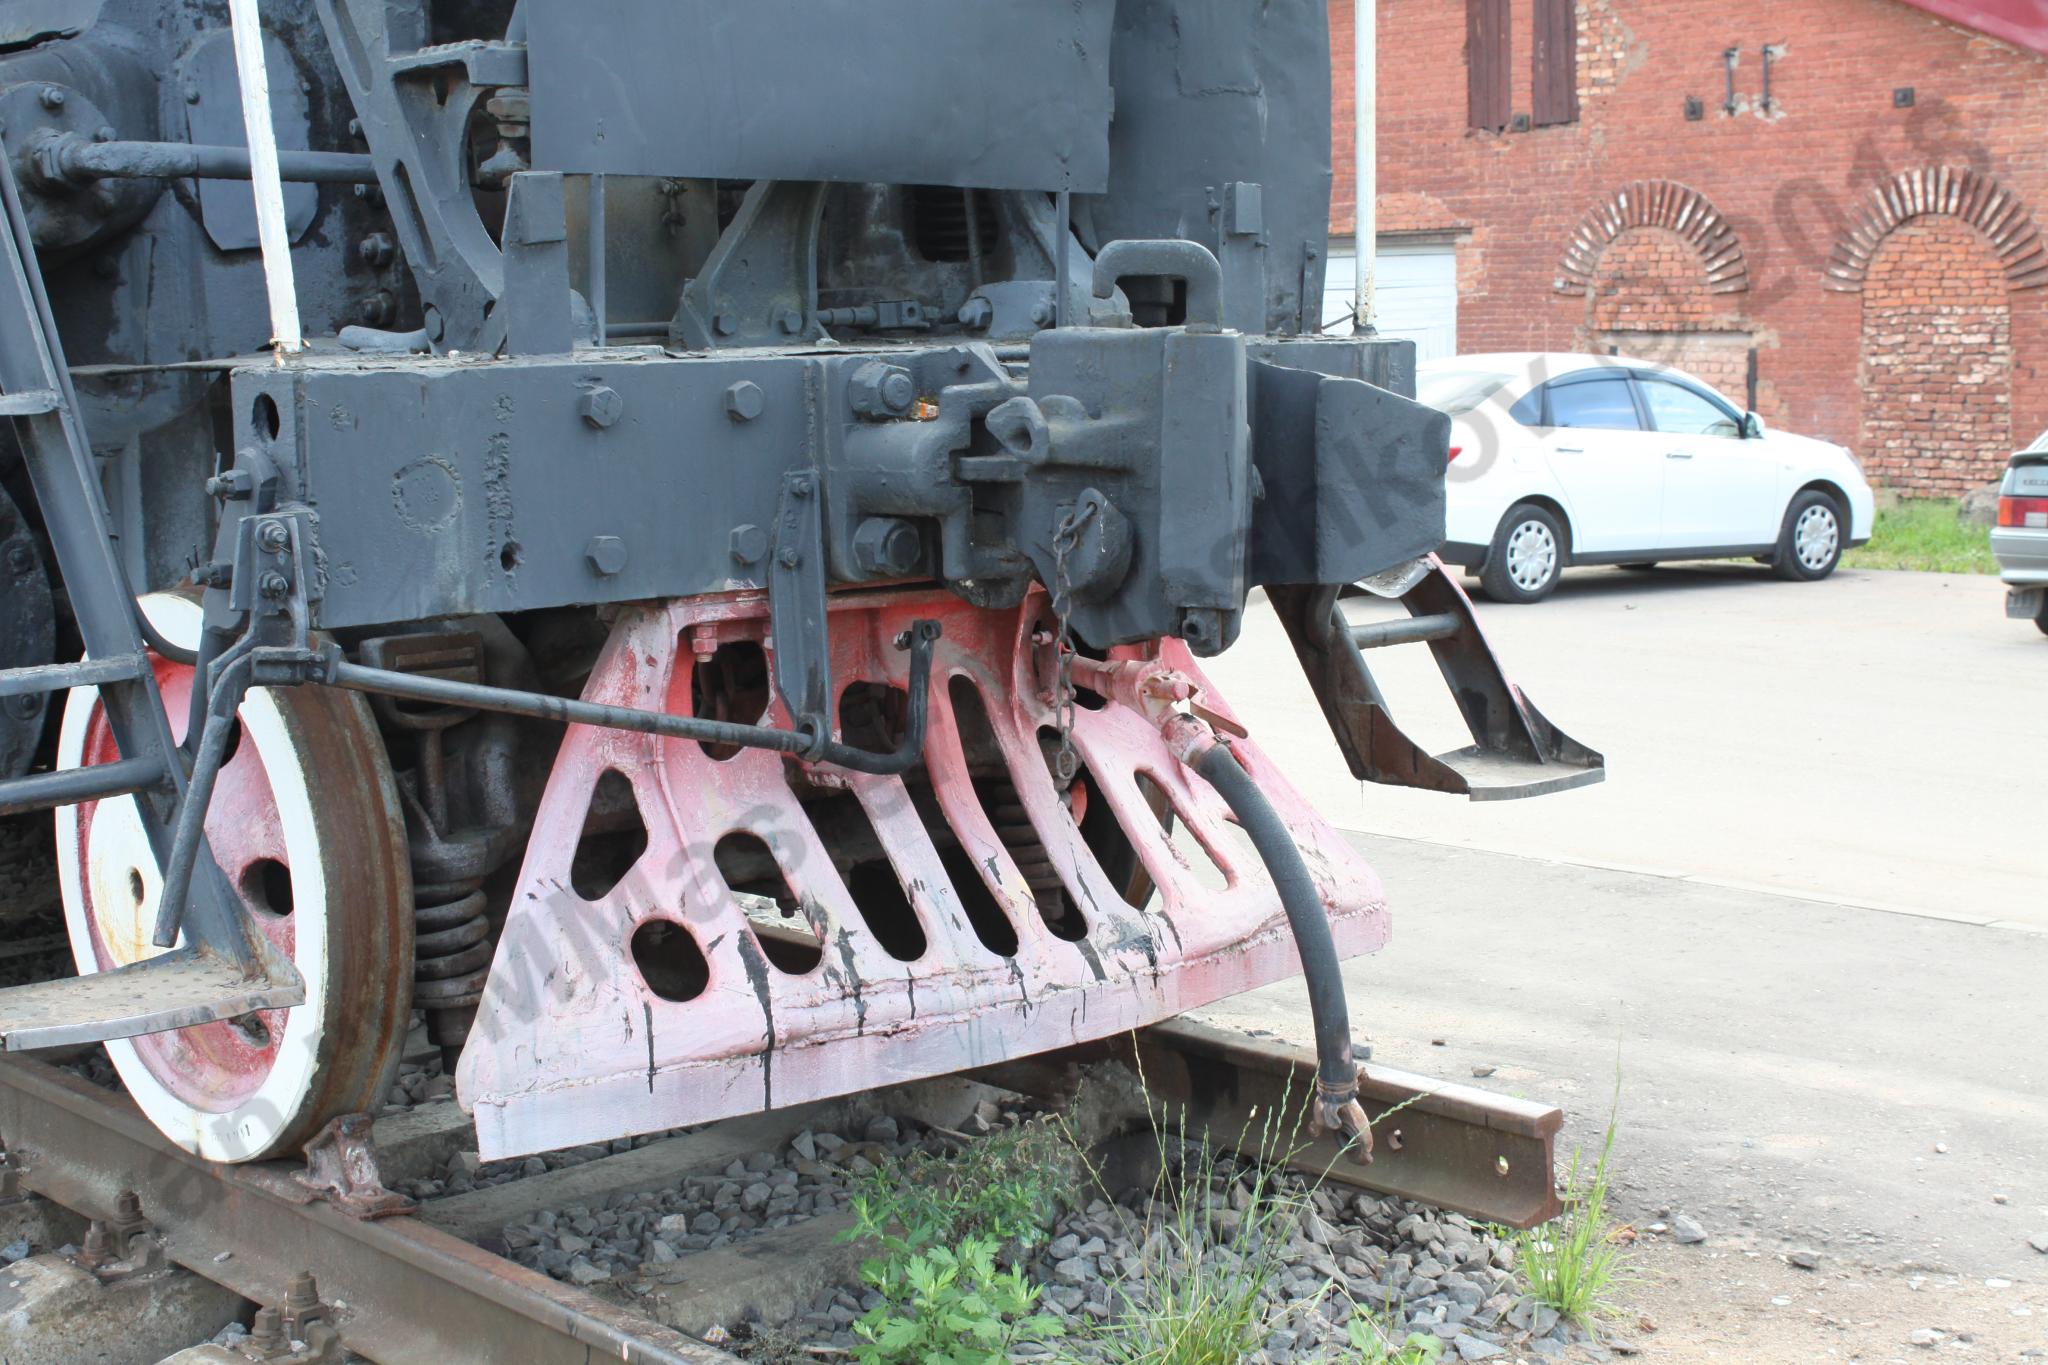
1378	1343
1924	534
1196	1303
1573	1262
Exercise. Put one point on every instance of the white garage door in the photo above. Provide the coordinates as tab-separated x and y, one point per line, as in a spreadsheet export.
1415	295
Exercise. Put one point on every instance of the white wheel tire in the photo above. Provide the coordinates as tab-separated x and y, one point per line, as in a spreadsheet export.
274	1114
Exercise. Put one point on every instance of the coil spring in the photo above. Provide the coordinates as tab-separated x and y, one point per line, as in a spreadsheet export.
1012	823
451	958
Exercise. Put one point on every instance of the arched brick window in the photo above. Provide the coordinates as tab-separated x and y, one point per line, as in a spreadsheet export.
1663	204
1936	254
1657	264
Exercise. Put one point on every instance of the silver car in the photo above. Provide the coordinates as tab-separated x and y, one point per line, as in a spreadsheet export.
2020	539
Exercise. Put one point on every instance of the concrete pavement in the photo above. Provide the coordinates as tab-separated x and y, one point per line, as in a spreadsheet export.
1873	739
1710	943
1785	1070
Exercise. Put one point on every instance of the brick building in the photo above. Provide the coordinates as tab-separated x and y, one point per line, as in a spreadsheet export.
1847	190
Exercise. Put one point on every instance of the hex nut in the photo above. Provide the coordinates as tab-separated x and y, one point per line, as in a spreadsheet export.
880	390
601	406
607	555
744	401
887	547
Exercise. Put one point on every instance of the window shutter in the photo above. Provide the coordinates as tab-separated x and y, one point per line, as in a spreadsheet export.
1555	84
1489	80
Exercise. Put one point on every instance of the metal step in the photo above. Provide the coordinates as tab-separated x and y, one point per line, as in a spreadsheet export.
1496	775
176	990
1515	751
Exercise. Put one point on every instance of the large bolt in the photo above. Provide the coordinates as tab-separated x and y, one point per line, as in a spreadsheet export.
266	1333
887	547
744	401
273	536
881	390
20	557
302	1293
231	484
976	314
128	1212
377	308
376	249
273	586
52	97
749	543
601	406
607	555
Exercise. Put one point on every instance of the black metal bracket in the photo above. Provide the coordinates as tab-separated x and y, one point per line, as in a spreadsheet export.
796	606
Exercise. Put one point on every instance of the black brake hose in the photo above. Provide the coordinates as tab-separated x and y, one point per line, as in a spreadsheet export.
1337	1107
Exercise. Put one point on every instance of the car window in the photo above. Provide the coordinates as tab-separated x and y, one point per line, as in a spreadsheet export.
1528	409
2040	443
1684	412
1605	404
1453	392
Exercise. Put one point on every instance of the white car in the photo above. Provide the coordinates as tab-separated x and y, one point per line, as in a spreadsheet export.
1580	459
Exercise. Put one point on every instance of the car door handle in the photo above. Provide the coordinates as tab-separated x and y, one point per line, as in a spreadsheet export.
1569	450
1678	454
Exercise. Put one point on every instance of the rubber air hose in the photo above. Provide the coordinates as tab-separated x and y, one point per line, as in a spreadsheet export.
1336	1072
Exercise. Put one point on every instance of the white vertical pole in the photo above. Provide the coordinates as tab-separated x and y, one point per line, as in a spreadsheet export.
268	185
1365	135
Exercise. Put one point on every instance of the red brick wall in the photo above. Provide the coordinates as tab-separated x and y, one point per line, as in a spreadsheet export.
1788	181
1937	360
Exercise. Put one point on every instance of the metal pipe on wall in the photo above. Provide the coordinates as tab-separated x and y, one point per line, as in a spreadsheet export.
1365	139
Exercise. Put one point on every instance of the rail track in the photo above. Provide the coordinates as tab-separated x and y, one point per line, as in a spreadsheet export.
431	1284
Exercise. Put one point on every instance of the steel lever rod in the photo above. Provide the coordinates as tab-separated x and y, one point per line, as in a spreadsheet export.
540	706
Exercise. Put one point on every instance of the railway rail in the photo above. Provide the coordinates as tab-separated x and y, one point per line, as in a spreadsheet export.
423	1286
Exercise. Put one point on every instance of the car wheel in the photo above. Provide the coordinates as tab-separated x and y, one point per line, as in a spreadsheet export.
1527	556
1810	542
2041	617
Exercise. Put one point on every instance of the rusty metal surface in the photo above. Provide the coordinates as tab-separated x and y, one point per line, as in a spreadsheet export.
310	800
574	1044
1452	1146
187	988
402	1291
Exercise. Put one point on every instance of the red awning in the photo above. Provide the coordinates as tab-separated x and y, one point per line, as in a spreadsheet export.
2023	22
